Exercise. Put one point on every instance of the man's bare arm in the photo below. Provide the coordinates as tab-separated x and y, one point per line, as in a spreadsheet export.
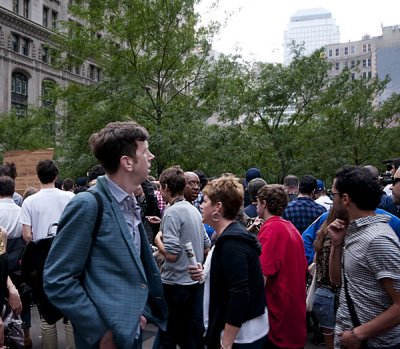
27	232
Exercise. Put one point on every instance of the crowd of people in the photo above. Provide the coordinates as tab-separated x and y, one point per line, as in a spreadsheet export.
212	262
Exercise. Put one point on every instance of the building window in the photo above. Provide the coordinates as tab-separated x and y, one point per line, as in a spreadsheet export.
16	6
353	76
367	75
15	42
25	47
346	64
353	64
77	69
330	53
337	66
25	10
346	50
19	93
54	19
352	50
94	73
45	54
366	63
367	48
48	87
337	52
45	17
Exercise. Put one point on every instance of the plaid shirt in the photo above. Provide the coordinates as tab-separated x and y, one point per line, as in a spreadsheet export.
160	200
302	212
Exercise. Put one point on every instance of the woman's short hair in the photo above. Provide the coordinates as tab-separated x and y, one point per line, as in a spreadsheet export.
174	179
275	197
229	191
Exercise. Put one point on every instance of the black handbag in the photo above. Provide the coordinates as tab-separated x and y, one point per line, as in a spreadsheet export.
13	333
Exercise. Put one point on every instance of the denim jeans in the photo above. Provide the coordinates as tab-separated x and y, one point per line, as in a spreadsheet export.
185	320
324	307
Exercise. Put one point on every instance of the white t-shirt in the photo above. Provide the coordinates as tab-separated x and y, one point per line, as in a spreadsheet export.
388	190
251	330
325	201
42	209
9	218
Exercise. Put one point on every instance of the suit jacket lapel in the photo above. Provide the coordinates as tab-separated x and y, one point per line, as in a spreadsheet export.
123	227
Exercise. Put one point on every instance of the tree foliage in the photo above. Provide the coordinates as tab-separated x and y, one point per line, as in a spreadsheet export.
153	57
33	131
217	115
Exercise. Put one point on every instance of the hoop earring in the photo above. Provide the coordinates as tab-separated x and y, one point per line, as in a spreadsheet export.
215	219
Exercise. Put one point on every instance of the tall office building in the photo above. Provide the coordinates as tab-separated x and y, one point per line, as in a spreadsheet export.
315	28
26	53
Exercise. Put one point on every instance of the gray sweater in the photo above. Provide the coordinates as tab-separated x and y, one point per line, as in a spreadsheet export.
180	224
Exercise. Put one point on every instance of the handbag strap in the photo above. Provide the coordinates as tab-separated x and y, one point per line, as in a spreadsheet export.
350	305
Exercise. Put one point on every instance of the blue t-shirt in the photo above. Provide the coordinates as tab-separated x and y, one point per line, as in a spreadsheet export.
310	233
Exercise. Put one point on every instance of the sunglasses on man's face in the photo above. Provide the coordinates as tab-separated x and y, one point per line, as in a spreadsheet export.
395	180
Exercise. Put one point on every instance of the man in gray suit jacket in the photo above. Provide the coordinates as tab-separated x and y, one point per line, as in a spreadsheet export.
107	283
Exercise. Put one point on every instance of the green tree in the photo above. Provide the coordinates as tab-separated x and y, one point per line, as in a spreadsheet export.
153	59
33	131
279	100
353	127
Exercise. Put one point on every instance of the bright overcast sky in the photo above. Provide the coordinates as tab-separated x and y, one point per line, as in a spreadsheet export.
257	26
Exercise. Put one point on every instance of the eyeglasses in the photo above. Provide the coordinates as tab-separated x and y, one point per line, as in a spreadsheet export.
333	193
395	180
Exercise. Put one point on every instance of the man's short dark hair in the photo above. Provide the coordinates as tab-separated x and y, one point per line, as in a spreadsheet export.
68	184
9	169
7	186
174	179
202	177
307	184
47	171
115	140
291	181
95	172
58	183
254	186
358	183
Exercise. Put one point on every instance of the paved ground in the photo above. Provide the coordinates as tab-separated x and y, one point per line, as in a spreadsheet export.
148	336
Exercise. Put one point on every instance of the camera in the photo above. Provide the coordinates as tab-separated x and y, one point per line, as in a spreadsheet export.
385	179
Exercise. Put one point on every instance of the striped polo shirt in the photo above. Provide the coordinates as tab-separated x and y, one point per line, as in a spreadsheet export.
371	253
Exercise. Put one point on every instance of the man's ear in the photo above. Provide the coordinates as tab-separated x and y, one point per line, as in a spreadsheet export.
346	200
126	163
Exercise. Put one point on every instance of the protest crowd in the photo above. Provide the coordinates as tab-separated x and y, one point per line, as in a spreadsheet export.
222	262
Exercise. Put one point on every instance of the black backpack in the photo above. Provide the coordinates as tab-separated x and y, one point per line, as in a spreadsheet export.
32	267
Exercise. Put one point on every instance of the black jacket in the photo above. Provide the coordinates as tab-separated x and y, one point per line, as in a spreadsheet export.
236	282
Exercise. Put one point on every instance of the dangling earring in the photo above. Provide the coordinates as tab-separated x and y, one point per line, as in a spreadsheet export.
217	218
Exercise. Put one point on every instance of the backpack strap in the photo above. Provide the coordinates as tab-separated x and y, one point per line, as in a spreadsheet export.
100	209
